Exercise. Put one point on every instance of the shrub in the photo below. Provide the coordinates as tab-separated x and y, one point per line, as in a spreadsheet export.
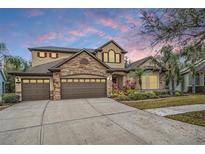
162	93
131	91
123	98
150	94
178	93
10	98
137	95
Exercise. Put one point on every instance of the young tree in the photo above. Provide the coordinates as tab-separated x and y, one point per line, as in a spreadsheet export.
170	62
138	72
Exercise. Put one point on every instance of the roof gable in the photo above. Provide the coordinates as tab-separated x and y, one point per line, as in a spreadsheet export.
55	68
112	41
141	62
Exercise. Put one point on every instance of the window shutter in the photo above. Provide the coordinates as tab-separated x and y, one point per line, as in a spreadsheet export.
103	57
56	55
38	54
50	54
45	54
120	57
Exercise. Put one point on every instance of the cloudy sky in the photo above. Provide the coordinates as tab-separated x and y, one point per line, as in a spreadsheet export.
78	28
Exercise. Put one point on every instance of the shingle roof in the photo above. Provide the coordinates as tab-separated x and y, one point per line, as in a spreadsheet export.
138	63
59	49
42	69
45	69
200	66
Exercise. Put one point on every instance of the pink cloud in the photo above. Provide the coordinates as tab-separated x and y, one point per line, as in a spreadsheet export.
85	30
34	13
131	20
47	36
109	22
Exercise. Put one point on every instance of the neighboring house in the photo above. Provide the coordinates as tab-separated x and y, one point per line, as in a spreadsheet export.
2	83
186	81
64	73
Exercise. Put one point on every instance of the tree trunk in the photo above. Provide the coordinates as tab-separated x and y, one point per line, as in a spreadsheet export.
140	83
193	84
171	87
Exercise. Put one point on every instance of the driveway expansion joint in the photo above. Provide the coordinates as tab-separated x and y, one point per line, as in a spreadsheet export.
41	125
130	133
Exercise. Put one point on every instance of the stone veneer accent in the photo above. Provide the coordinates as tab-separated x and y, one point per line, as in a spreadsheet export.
73	67
56	86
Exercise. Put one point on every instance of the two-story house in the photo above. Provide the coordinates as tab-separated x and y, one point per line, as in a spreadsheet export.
64	73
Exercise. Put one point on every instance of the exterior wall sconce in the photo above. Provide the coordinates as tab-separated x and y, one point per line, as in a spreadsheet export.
18	80
109	78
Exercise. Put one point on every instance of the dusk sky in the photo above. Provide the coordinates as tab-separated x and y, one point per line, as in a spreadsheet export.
78	28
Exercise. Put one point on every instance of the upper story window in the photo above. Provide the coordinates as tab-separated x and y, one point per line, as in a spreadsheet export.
105	57
117	57
111	57
41	54
44	54
53	55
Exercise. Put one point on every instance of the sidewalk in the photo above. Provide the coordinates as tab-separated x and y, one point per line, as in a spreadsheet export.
176	109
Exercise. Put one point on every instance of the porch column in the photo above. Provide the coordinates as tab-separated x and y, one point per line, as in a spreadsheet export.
124	79
56	86
18	87
109	84
202	76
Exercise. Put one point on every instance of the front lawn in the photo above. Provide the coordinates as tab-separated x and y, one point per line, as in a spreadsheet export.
3	106
167	102
196	118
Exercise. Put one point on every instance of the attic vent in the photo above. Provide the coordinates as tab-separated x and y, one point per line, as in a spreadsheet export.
84	61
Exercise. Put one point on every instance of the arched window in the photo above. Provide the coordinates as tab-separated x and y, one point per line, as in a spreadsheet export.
111	56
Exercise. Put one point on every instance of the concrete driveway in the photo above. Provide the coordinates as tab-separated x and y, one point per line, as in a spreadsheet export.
91	121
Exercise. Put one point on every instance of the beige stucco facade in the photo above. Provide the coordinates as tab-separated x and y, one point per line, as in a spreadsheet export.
117	50
38	61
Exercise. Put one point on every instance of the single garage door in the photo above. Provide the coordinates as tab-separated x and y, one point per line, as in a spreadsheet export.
35	89
83	88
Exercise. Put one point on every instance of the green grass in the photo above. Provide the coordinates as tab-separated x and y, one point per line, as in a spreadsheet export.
196	118
167	102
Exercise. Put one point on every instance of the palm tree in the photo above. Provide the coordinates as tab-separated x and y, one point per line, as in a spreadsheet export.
3	50
16	63
170	62
138	72
192	54
13	63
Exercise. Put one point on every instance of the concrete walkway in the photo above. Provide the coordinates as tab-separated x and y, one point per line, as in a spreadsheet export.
91	121
164	111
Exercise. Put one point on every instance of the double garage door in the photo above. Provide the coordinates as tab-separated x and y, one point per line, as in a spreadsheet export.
83	88
35	89
39	89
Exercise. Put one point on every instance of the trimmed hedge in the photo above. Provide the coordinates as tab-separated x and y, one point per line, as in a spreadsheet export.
10	98
141	95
